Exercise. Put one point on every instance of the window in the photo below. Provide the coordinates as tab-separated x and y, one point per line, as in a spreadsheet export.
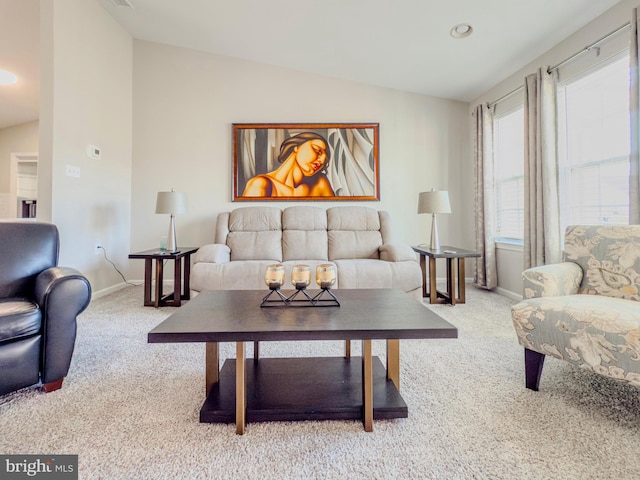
594	142
593	152
509	175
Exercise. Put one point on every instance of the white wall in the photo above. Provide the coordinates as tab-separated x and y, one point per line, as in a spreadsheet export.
86	98
21	138
17	138
186	101
509	261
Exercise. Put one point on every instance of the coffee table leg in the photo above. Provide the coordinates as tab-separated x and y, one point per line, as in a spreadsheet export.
393	361
367	386
347	348
241	398
212	369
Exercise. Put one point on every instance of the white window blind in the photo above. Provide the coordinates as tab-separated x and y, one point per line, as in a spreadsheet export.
594	145
509	175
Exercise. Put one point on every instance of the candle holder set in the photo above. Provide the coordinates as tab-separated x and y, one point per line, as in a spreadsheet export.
300	279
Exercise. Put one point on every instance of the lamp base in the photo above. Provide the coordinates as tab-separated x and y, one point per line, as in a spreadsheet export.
435	241
172	245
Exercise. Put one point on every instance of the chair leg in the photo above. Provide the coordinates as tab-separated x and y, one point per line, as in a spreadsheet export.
533	363
53	386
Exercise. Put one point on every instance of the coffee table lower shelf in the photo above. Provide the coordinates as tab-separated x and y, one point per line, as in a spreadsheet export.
318	388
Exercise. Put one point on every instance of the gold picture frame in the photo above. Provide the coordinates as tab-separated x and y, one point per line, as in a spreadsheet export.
306	161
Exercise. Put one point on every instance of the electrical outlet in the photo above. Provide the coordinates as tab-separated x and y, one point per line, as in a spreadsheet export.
97	248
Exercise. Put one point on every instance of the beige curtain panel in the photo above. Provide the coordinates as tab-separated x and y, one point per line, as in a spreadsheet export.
634	109
486	275
542	239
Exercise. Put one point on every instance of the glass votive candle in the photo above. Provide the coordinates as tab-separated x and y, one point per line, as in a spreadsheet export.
326	275
301	276
274	276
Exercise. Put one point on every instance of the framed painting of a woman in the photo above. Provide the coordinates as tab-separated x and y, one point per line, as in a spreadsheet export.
308	161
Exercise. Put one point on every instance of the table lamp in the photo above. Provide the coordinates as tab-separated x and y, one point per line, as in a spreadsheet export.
434	202
172	203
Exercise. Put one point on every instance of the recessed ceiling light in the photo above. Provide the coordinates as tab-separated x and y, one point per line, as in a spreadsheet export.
7	78
461	30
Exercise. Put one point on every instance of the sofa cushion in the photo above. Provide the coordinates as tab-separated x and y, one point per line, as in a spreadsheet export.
19	318
354	232
304	218
247	275
304	233
213	253
397	253
255	233
368	273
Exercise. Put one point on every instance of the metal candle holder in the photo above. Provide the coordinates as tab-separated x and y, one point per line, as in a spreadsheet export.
300	279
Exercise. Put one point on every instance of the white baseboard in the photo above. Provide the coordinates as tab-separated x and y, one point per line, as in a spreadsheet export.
120	286
509	294
108	290
443	280
167	286
505	293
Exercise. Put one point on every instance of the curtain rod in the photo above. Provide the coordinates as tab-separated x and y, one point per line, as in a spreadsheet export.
566	60
589	47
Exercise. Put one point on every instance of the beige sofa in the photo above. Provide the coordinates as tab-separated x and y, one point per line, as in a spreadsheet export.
355	239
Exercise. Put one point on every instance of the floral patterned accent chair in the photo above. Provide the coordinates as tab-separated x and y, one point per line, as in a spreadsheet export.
585	310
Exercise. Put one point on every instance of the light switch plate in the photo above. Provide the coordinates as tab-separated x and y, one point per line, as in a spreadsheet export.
73	171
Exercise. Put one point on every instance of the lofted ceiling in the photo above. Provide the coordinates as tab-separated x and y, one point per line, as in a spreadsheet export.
19	53
400	44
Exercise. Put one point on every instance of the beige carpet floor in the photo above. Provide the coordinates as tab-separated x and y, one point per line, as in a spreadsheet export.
129	409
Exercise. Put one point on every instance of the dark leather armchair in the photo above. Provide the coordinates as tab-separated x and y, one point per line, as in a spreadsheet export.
39	303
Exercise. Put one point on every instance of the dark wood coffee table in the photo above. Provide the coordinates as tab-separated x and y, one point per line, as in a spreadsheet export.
271	389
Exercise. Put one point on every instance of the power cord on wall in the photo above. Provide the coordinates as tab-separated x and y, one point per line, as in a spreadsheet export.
104	252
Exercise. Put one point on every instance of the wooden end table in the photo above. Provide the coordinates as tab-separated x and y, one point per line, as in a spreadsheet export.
173	299
451	255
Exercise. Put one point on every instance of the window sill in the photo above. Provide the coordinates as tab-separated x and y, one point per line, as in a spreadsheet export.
511	245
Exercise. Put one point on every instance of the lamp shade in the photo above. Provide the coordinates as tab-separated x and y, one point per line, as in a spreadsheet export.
171	202
434	202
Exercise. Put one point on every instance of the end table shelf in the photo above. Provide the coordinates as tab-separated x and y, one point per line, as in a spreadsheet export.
180	276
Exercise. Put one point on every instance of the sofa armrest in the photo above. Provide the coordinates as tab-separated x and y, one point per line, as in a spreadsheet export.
213	253
552	280
62	293
391	252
